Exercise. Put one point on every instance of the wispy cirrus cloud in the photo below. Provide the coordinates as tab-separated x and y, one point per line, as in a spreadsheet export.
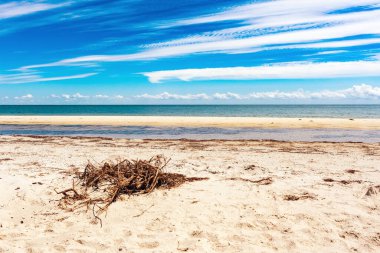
108	15
296	70
286	24
270	9
28	77
21	8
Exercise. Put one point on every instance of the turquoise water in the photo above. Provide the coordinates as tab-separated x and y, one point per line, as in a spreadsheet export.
291	111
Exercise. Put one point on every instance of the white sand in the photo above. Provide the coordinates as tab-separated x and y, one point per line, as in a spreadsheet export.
176	121
217	215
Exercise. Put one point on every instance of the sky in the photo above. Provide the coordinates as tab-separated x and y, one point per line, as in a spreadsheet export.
189	52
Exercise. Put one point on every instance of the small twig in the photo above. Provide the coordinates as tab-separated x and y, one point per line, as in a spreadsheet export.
263	181
143	211
64	192
97	217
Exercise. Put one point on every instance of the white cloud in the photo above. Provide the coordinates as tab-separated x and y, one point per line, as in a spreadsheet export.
264	26
331	52
376	57
263	41
293	9
64	77
362	91
25	97
167	95
319	45
226	96
275	71
101	96
70	96
78	96
66	96
278	17
20	8
334	44
34	78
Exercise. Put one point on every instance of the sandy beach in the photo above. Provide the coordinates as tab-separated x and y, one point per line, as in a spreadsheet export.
190	126
322	197
177	121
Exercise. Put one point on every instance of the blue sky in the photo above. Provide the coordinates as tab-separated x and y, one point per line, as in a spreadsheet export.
189	52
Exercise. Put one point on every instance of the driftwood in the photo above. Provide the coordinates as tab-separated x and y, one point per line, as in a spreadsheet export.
99	186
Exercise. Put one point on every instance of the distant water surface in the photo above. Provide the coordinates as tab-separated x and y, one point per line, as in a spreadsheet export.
288	111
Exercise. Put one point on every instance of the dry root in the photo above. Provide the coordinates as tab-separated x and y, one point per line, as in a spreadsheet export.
100	186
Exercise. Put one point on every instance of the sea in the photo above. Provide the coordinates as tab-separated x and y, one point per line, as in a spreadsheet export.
287	111
203	133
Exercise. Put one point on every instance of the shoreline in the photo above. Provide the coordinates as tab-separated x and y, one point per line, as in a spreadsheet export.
184	121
